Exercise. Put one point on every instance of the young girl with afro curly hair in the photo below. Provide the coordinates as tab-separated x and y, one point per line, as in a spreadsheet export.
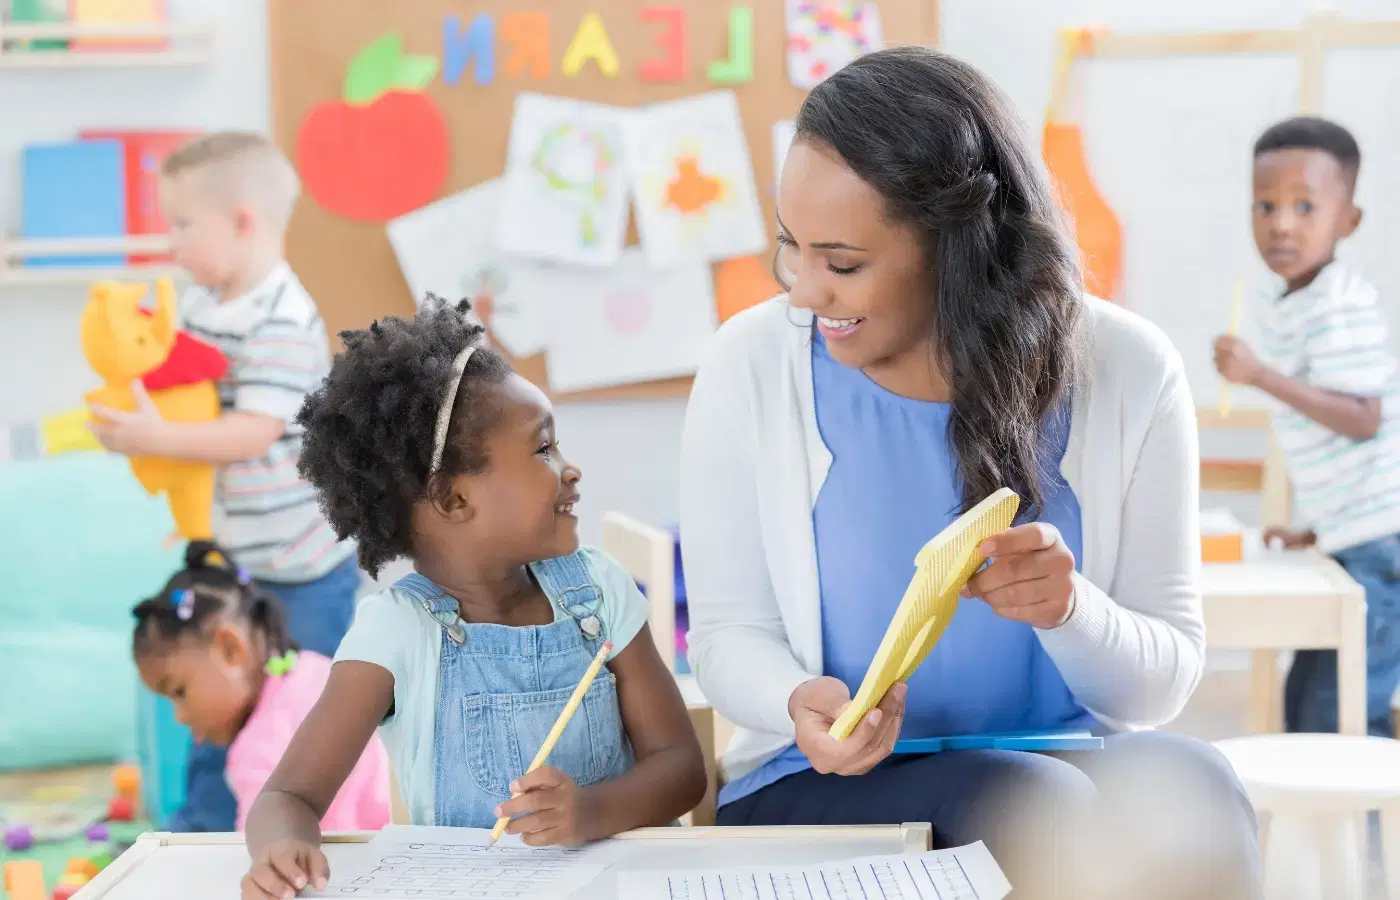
423	443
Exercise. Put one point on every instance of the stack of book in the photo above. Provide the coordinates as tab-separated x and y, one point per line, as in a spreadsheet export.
103	185
88	12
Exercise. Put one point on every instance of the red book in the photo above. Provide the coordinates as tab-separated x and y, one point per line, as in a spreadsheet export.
144	153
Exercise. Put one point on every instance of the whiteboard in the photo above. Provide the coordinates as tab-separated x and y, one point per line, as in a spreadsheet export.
1179	179
1169	141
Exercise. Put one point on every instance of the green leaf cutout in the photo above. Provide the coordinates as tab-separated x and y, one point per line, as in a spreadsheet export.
374	70
382	66
416	72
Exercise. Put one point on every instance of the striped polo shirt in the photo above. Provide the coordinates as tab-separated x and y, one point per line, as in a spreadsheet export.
1332	335
278	352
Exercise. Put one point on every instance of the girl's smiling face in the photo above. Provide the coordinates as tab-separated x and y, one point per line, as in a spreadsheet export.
522	505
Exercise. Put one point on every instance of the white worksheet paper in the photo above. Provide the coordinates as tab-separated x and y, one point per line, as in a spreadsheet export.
964	873
784	131
623	325
420	863
692	179
565	196
448	248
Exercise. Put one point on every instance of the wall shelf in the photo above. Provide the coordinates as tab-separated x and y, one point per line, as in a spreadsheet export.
14	272
186	45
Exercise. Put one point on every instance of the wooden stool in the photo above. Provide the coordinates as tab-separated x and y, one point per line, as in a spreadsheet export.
1323	785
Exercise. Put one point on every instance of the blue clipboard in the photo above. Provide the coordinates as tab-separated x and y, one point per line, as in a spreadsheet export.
1032	741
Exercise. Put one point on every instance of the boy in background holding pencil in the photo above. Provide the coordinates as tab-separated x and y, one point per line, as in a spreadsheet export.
1325	362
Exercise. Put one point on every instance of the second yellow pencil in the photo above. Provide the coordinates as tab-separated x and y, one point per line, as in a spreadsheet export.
1234	330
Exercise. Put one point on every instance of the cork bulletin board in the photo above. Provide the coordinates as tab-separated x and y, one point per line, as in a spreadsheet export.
349	266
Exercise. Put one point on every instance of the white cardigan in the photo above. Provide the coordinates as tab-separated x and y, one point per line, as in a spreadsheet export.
753	462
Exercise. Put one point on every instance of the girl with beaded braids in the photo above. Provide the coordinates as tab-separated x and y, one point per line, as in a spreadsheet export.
217	646
422	443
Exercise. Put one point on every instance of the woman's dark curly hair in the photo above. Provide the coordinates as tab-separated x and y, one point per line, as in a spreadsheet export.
369	426
942	147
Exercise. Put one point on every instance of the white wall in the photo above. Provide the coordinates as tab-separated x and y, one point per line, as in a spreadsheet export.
628	451
1168	142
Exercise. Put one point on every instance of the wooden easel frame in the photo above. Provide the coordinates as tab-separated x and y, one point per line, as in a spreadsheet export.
1320	32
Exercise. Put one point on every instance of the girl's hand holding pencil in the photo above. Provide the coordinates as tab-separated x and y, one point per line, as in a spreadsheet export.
551	799
552	809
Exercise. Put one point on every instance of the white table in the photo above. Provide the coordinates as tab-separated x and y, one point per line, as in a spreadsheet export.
209	866
1289	601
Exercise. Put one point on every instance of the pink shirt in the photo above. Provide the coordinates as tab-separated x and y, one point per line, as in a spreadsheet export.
363	801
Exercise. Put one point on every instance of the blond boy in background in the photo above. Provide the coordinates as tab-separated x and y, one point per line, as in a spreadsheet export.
228	197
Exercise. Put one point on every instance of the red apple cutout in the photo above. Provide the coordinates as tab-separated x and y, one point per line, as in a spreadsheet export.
381	150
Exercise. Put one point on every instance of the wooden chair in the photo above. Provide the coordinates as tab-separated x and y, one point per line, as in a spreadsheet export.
1269	479
649	556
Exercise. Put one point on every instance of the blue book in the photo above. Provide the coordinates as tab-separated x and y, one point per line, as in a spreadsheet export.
1034	741
73	190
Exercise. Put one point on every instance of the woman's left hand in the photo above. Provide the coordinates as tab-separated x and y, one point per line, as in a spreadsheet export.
1029	577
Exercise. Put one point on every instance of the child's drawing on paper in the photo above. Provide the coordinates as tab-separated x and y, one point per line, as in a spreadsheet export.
627	312
784	132
483	287
824	35
448	248
565	193
622	325
691	173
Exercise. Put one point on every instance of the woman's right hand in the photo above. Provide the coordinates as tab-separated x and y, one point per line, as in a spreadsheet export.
283	868
815	705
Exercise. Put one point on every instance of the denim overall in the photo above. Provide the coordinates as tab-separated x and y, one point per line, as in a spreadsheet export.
501	688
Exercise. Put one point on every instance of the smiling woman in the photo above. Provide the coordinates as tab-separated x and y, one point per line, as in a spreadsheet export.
934	346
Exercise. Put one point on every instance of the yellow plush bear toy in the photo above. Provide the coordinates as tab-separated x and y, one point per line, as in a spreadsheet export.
124	341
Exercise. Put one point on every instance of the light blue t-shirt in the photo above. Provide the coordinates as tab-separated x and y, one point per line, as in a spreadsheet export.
392	630
892	486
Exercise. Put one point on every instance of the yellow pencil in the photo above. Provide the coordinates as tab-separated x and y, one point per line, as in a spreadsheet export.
553	737
1234	329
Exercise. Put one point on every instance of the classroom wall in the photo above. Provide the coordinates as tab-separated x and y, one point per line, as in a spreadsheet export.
1168	140
627	451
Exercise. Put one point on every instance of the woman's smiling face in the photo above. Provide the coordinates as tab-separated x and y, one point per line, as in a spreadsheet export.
866	278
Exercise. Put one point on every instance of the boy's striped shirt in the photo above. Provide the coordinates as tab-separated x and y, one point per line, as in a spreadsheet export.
1333	335
278	352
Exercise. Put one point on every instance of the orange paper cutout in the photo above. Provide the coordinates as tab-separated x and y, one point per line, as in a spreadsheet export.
691	190
743	282
1097	231
527	33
